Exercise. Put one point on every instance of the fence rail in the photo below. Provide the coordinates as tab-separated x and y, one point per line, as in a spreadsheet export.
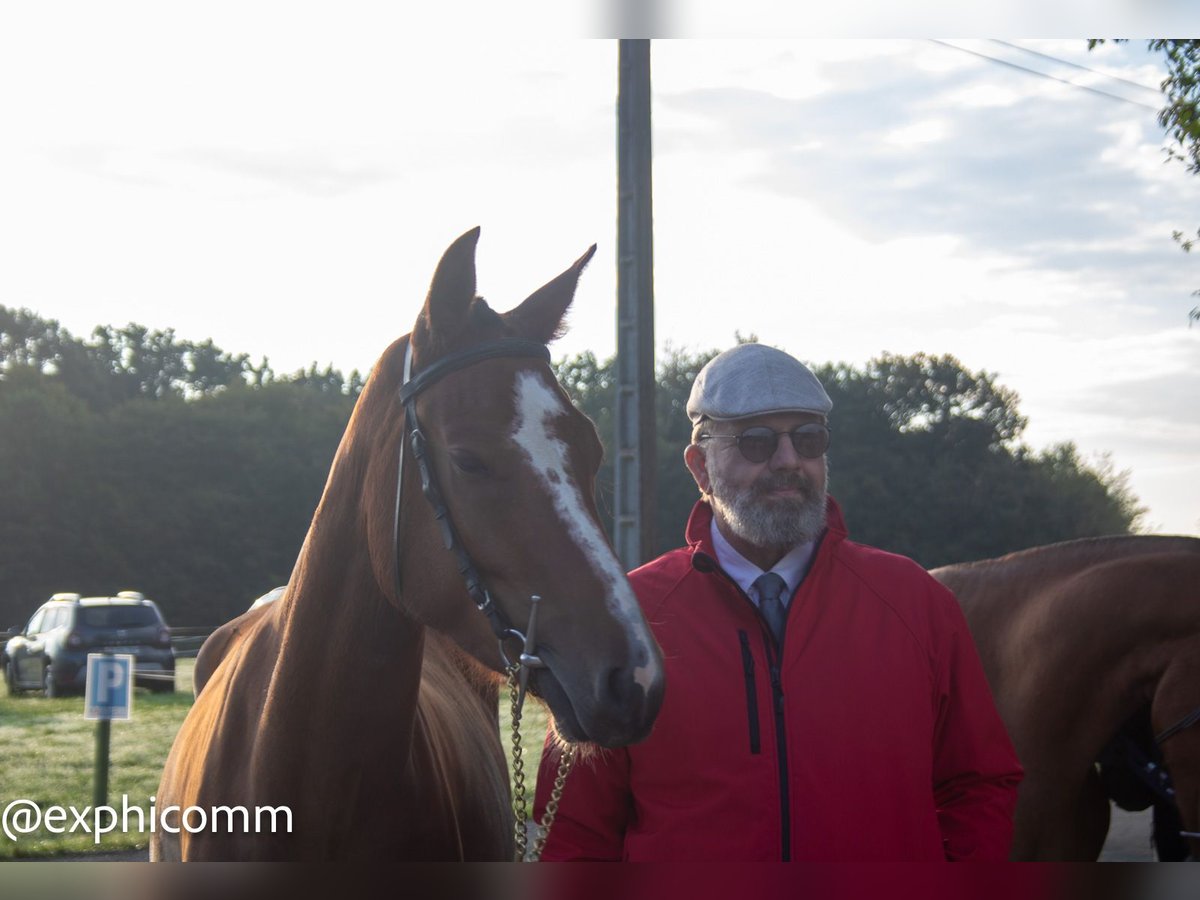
186	641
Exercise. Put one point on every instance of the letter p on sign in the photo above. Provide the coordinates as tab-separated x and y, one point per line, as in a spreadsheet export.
109	692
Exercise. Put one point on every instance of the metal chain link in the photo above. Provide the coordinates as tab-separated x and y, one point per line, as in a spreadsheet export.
564	767
518	765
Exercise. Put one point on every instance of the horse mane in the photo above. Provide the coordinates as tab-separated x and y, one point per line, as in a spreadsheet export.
1085	551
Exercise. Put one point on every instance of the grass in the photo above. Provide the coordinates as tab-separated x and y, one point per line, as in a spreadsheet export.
534	719
50	752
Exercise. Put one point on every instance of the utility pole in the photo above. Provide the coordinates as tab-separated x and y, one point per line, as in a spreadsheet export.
634	415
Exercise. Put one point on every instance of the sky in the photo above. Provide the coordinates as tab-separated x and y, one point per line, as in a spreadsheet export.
285	182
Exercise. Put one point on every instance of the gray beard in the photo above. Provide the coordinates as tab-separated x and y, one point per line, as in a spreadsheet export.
775	522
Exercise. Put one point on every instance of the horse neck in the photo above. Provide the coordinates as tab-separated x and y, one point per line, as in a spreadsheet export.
1054	558
347	656
384	699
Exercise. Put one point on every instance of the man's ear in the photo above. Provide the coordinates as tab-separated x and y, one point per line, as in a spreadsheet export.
693	457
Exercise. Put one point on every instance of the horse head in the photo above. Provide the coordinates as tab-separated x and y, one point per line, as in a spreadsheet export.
509	474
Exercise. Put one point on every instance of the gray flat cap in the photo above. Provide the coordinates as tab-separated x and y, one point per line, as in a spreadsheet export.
754	380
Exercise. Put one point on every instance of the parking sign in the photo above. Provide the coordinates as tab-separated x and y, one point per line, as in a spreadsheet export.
109	690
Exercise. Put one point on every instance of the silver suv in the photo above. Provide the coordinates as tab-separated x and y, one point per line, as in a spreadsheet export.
50	653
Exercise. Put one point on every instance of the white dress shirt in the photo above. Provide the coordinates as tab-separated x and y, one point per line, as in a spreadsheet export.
791	568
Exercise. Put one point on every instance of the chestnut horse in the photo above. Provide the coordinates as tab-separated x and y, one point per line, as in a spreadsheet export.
1092	650
364	698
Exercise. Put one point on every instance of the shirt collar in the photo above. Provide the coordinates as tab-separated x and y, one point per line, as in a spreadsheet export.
791	568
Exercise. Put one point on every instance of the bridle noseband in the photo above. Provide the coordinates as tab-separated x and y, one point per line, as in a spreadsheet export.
410	389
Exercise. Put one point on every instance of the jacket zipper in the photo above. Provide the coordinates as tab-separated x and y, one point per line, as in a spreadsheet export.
785	812
751	692
774	655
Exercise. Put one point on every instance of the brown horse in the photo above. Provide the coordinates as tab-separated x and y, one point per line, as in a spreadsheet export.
1092	650
364	699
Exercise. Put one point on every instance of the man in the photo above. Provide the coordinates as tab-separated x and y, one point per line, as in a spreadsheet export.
862	730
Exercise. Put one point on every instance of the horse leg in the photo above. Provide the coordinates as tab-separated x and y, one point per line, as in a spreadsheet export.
1092	817
1169	846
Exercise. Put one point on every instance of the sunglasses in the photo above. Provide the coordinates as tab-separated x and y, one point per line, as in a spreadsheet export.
758	444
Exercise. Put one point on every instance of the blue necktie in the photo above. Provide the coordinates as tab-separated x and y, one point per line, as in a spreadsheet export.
770	589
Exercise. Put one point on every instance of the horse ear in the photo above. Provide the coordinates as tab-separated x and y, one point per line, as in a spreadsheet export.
453	286
540	316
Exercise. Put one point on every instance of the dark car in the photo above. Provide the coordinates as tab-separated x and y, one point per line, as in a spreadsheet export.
50	653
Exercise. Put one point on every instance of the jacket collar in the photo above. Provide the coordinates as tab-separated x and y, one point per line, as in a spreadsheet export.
699	534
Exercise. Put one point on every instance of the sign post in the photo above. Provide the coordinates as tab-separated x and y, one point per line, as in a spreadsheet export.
108	696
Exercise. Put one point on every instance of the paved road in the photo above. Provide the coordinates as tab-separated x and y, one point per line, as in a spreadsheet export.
1129	837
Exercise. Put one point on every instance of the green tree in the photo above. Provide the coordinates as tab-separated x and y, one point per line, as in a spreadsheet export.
45	490
926	458
137	460
189	474
121	364
207	502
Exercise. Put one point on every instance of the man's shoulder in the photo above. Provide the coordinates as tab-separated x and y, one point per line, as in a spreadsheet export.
901	590
666	568
877	560
657	579
895	578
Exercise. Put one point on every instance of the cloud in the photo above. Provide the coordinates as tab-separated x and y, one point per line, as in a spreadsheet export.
1167	398
307	171
1053	175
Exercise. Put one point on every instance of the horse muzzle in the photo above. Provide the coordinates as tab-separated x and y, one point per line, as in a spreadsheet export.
615	708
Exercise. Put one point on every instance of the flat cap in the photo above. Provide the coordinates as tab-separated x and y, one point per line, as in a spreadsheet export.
754	380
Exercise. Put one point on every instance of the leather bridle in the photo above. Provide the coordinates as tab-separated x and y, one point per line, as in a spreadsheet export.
411	387
519	672
1186	722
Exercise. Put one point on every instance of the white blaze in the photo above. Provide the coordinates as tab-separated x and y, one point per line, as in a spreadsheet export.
537	408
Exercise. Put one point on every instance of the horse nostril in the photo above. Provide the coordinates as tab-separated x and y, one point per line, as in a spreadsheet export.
623	692
627	695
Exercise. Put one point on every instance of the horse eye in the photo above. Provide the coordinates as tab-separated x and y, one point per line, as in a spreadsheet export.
468	463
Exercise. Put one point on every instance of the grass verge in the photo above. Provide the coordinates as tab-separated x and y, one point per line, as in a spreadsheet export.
50	753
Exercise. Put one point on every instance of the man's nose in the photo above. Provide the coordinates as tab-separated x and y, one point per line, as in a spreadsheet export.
785	455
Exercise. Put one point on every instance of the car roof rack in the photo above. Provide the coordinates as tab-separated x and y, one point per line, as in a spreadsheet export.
73	598
131	595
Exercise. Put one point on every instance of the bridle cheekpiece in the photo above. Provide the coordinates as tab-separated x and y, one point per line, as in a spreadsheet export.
519	672
411	387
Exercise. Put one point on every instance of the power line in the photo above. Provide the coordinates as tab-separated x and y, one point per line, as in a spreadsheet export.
1066	62
1012	65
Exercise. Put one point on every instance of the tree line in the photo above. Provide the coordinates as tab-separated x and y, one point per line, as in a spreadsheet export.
926	458
136	460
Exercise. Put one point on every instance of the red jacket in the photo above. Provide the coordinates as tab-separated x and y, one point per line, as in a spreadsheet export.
876	739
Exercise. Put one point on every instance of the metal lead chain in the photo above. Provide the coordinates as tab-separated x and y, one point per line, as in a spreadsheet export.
564	768
567	760
518	764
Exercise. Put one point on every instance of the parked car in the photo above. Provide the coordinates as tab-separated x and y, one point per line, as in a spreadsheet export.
50	652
